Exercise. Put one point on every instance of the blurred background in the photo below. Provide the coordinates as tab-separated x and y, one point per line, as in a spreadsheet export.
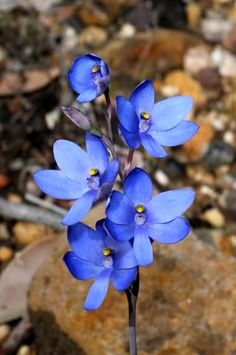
187	48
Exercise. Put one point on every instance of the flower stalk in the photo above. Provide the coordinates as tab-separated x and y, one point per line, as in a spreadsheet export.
108	114
132	297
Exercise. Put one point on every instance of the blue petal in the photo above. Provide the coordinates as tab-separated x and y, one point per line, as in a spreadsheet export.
120	232
123	257
79	268
111	172
104	68
97	152
122	279
168	205
79	209
184	131
79	75
127	115
168	113
142	98
56	184
142	246
86	243
96	59
87	95
131	139
98	291
100	228
152	146
72	160
120	209
138	187
170	233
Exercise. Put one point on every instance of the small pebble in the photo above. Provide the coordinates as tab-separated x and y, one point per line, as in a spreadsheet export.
209	78
229	137
214	217
24	350
26	232
225	61
12	197
70	37
161	178
214	29
194	11
127	31
92	36
219	153
196	59
169	90
4	332
4	233
6	254
52	118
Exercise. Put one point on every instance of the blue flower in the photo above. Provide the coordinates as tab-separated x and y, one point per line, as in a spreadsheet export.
136	215
83	176
154	125
89	77
95	255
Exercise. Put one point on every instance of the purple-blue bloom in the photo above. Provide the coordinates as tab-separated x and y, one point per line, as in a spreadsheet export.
96	255
137	216
154	125
83	176
89	77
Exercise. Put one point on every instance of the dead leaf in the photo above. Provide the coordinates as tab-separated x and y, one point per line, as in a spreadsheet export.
30	81
16	278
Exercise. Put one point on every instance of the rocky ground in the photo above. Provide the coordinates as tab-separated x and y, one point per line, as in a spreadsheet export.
185	47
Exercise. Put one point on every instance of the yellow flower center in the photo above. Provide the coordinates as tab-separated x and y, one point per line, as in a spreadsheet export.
107	251
93	172
95	69
139	208
145	115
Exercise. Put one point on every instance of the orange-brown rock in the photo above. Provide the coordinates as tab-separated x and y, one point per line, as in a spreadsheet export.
186	306
194	149
187	86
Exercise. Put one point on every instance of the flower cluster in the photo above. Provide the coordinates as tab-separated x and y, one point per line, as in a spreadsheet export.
135	218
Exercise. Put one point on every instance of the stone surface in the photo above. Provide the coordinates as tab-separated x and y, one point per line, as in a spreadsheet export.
196	59
27	232
194	149
92	37
186	306
219	153
6	254
214	217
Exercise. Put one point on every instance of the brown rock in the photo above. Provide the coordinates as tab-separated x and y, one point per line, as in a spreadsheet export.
27	232
6	254
194	12
194	149
214	217
196	59
182	307
93	37
209	78
230	40
148	53
187	86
